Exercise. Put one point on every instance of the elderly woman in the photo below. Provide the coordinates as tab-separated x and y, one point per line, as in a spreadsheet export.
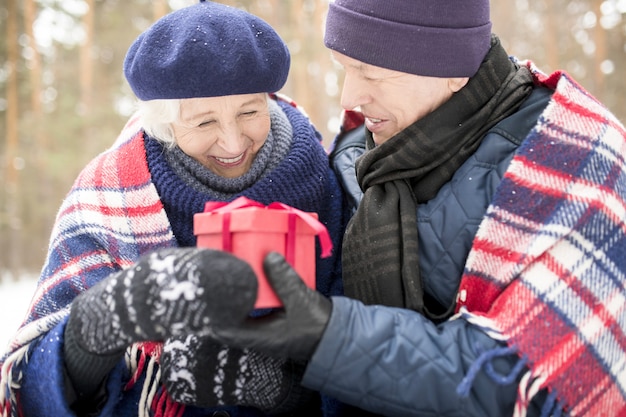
117	321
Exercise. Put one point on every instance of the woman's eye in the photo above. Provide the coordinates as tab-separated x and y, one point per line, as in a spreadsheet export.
207	123
249	113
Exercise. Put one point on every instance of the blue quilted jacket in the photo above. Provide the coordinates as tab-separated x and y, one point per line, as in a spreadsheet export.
430	362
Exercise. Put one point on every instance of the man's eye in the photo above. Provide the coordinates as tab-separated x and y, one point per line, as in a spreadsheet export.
249	113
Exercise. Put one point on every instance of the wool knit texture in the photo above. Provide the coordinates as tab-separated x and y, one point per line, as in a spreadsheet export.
216	49
444	38
168	292
201	372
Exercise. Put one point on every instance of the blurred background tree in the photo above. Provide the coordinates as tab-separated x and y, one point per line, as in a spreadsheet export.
63	97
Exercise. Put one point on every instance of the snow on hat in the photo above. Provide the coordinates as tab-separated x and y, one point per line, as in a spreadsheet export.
437	38
206	50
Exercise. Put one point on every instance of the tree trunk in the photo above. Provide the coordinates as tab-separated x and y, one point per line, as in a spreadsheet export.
11	215
599	37
552	37
38	224
85	77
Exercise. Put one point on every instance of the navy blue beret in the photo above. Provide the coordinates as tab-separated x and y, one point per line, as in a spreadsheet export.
206	50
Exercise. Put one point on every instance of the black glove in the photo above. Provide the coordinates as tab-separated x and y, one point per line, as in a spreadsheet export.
292	332
169	292
197	371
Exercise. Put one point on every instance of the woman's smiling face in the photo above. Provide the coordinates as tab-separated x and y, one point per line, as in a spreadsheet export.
223	133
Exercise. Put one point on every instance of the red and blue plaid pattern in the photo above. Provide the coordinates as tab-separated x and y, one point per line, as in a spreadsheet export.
547	270
98	229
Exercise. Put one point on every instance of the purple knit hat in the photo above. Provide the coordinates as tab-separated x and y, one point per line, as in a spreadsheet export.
206	50
437	38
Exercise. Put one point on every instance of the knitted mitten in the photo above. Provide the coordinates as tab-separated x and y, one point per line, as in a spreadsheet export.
200	372
169	292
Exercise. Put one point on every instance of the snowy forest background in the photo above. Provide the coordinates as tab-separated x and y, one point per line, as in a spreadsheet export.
63	97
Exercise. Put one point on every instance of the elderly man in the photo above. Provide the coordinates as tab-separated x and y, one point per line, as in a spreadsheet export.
484	267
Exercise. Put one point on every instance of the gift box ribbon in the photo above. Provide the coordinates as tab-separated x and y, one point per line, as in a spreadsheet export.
293	214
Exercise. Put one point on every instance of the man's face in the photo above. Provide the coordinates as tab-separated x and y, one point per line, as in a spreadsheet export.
391	100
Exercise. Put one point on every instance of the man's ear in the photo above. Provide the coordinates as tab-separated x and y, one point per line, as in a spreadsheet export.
455	84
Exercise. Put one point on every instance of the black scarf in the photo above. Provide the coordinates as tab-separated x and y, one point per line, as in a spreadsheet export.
380	249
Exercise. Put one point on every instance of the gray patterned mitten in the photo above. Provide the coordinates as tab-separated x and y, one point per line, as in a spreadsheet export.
169	292
197	371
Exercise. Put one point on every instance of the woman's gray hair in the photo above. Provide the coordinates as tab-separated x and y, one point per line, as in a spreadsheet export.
156	118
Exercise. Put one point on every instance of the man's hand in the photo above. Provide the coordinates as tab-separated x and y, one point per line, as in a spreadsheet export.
292	332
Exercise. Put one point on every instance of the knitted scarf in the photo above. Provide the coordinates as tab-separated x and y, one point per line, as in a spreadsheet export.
547	269
271	154
380	255
124	204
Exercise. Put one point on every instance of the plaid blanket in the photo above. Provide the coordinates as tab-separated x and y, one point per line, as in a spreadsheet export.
547	270
97	230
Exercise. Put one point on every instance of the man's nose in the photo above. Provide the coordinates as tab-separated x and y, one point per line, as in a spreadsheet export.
354	93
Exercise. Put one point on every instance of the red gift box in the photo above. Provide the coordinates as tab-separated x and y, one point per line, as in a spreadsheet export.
250	230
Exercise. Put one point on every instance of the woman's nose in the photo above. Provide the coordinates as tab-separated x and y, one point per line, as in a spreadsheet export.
231	139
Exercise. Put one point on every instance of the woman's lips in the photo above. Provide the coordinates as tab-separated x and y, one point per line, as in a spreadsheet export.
230	161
